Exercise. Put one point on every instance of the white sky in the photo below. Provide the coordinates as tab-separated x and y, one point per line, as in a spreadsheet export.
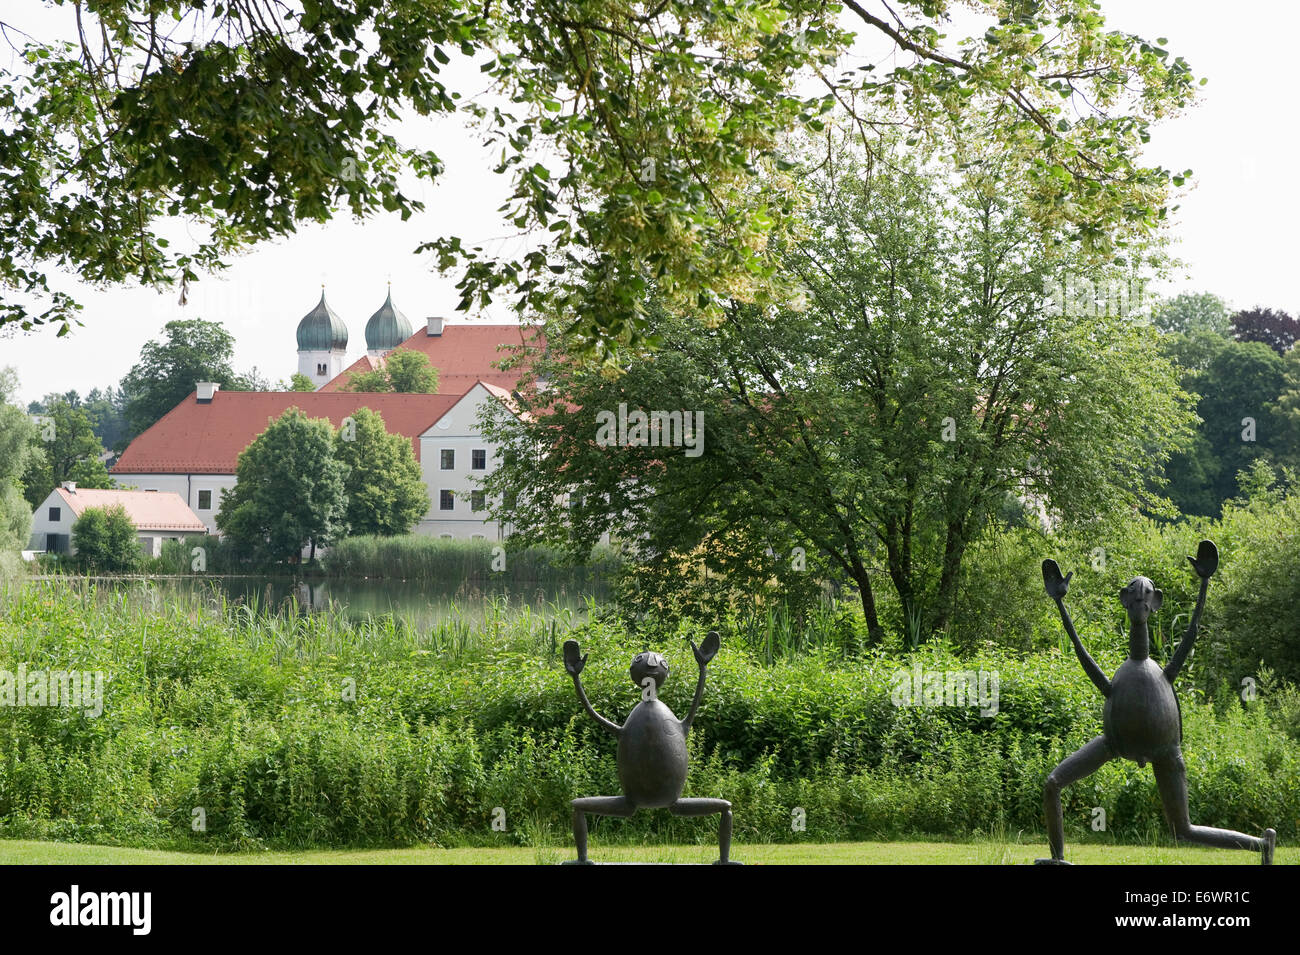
1235	227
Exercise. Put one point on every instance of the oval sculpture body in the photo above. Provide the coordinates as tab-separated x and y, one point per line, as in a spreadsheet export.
652	758
1141	717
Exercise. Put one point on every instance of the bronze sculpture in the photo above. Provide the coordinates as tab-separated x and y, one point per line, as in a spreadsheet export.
1141	720
652	759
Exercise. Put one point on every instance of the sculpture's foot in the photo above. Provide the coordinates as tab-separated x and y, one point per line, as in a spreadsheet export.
1270	843
578	862
727	862
1052	862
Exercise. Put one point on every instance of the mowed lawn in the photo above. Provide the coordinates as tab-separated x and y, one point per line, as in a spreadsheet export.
837	853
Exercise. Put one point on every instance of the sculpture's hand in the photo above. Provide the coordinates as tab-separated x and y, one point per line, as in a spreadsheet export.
707	649
572	662
1206	561
1057	586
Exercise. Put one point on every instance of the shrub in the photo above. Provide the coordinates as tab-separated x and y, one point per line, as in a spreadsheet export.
105	540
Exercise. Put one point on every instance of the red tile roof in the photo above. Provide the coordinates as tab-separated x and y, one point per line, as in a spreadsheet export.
148	510
206	438
463	354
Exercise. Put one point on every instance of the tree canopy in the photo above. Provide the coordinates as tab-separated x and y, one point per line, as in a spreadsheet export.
1276	329
642	141
63	446
874	431
1193	312
16	433
384	486
194	350
289	492
403	371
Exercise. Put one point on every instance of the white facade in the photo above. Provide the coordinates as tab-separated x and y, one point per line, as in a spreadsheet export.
454	457
453	440
202	492
52	525
321	366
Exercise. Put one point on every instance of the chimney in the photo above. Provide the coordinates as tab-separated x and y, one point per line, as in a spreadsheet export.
206	389
70	486
435	326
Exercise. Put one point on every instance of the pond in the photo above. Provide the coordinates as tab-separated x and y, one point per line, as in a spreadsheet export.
423	603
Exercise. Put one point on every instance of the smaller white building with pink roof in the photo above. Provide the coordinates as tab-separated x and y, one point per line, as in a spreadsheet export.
157	516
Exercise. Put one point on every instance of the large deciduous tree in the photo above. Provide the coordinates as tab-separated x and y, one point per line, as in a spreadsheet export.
194	350
641	140
1191	312
290	490
1276	329
876	430
64	447
16	433
384	487
1238	387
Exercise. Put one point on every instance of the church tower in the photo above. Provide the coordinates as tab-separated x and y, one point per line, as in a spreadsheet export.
322	343
386	329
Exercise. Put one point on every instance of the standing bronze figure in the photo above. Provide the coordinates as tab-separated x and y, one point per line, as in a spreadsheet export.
1141	720
652	757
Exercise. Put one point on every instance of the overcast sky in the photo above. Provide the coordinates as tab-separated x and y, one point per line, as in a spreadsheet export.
1235	227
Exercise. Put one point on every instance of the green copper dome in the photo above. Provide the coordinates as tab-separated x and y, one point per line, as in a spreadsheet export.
387	328
321	329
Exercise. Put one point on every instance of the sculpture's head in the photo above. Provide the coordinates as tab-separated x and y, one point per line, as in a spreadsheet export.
648	664
1141	599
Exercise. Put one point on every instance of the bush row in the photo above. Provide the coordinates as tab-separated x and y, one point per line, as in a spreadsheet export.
319	733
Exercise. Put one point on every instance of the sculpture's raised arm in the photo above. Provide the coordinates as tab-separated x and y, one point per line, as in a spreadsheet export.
705	652
574	664
1205	563
1057	587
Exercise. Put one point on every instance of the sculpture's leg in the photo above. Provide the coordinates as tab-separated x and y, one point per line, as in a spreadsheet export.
1171	778
1083	763
601	806
707	807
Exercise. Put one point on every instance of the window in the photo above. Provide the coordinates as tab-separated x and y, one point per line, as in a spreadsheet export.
478	500
205	500
448	459
478	459
477	537
56	514
446	537
321	369
446	500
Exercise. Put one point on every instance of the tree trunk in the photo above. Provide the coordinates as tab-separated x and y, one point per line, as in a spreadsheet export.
863	580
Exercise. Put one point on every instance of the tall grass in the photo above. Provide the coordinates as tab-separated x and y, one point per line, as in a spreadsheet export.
480	563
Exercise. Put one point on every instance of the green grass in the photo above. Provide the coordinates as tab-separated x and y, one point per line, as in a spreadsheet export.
833	853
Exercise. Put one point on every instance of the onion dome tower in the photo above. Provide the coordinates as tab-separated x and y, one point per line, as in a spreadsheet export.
386	329
322	343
